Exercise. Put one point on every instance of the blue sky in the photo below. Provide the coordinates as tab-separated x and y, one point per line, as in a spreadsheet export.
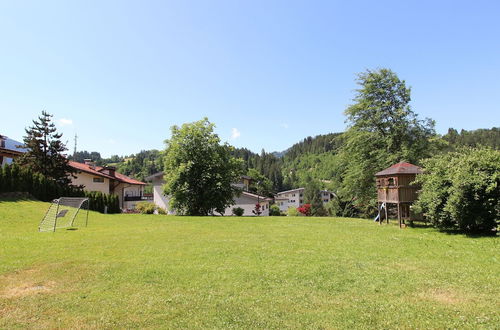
267	73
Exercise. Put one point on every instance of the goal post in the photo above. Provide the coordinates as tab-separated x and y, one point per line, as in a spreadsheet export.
65	212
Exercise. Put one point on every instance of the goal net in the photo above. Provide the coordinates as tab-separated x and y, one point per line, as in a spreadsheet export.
65	212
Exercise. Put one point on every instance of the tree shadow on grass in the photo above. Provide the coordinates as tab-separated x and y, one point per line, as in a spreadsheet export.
17	197
453	231
492	233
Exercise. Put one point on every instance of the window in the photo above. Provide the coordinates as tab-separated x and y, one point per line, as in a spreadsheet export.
391	181
300	195
301	201
325	200
99	180
293	195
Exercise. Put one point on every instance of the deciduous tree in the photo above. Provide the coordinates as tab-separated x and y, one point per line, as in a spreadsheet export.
199	170
382	130
461	190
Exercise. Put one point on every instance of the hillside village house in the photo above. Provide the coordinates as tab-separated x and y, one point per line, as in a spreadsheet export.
108	181
295	198
9	150
246	200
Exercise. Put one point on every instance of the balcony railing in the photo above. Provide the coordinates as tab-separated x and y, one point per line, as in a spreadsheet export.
131	198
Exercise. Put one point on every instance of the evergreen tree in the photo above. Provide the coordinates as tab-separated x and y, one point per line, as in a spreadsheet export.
44	150
312	196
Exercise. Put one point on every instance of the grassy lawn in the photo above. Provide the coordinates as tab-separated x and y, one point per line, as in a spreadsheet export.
148	271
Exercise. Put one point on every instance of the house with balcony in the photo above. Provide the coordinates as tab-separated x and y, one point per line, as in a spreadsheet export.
107	180
295	198
246	200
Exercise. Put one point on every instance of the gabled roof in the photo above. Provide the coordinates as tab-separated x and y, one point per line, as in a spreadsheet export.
249	194
289	191
97	171
400	168
151	177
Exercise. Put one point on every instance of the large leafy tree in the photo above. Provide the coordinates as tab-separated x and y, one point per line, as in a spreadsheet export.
461	190
45	150
199	170
382	130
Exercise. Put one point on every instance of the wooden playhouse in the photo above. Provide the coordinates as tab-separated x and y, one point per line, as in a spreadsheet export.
394	187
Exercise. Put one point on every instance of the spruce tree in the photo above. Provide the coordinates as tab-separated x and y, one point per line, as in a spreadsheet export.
45	150
312	196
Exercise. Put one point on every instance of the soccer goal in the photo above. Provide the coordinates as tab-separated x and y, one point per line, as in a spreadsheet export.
65	212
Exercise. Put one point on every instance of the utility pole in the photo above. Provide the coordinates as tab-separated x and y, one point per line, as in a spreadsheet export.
74	150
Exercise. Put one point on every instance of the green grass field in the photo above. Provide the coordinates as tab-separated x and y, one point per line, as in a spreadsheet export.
151	271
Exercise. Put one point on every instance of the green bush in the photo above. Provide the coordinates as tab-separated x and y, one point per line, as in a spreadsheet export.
161	210
274	210
238	211
461	190
292	212
145	207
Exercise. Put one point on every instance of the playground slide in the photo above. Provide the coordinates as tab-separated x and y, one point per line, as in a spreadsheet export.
377	218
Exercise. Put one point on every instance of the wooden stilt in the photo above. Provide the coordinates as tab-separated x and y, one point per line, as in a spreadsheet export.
386	217
399	215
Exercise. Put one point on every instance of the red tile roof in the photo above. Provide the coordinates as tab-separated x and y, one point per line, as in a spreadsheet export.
96	170
400	168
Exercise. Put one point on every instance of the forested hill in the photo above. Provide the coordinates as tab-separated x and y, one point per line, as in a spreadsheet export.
315	145
486	137
311	158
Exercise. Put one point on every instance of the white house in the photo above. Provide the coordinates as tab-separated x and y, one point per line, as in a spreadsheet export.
108	181
295	198
159	198
246	200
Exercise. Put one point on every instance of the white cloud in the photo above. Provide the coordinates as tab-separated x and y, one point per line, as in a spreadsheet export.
284	125
65	122
235	133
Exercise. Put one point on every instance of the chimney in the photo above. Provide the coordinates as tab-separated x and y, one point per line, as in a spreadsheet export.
89	162
109	170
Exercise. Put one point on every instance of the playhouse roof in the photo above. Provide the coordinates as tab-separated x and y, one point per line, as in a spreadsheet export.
400	168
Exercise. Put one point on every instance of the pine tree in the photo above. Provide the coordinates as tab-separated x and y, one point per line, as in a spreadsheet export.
312	196
45	150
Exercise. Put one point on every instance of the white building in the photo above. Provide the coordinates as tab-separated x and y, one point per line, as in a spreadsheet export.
159	198
9	150
246	200
295	198
108	181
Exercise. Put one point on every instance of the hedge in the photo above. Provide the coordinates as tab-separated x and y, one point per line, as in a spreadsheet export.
14	178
